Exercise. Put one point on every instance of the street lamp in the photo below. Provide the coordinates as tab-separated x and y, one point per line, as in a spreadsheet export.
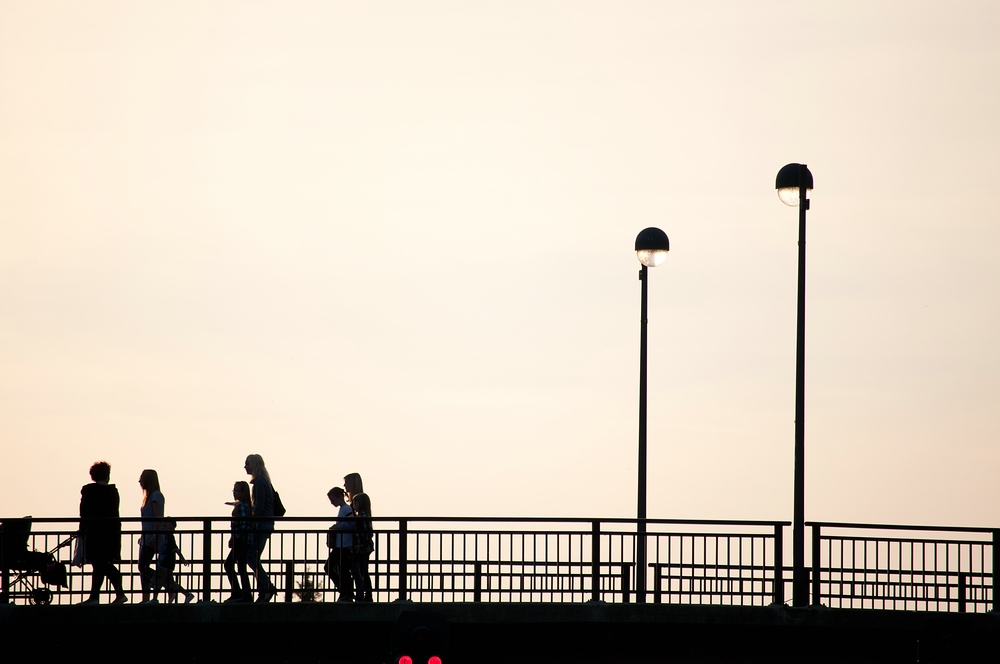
651	247
792	183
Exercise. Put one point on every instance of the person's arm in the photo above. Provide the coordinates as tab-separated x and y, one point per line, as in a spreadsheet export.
268	500
84	509
158	511
241	523
346	526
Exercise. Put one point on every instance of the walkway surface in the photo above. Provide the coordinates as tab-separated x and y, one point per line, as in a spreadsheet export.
605	633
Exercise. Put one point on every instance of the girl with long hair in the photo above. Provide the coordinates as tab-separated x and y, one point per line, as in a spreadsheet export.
239	543
363	542
262	500
149	541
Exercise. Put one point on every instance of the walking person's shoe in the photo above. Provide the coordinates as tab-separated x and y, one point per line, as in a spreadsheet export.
235	598
122	598
346	599
93	601
266	596
188	598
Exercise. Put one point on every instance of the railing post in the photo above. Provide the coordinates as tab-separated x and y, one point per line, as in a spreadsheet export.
996	569
815	566
595	562
962	582
206	561
779	564
402	561
657	584
477	588
289	580
625	583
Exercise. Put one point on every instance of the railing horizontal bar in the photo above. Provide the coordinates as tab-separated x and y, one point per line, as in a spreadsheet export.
883	526
904	540
765	568
431	519
910	572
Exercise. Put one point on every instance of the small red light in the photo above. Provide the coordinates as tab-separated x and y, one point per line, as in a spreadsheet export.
405	659
434	660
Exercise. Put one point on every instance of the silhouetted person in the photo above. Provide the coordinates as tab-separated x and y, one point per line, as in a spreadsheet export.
151	541
166	560
262	498
340	539
363	542
102	532
239	544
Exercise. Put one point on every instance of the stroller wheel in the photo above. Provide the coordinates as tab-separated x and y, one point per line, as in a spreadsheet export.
41	596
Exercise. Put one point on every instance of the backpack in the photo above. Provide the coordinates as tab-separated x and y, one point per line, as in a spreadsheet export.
279	509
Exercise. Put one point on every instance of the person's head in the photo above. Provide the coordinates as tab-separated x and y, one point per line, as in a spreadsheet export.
101	472
353	485
241	491
362	504
255	467
336	496
150	482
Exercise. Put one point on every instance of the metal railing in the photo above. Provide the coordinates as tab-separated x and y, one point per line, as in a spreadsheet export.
913	568
428	559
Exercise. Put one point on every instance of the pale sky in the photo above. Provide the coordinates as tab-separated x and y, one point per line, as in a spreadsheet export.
396	238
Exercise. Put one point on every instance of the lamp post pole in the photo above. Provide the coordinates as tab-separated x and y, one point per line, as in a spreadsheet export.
800	581
640	512
793	182
651	247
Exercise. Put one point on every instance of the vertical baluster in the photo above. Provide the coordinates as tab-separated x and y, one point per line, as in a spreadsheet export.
595	562
289	579
816	599
206	560
402	560
995	569
779	568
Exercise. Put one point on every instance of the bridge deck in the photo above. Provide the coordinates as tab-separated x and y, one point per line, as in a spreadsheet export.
520	632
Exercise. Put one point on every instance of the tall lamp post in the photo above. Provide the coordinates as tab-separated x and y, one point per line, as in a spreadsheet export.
651	247
792	183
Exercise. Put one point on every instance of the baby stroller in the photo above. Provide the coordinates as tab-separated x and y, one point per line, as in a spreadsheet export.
15	557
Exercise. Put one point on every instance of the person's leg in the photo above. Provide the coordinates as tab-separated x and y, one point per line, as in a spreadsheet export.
173	587
234	585
264	588
145	570
253	563
363	580
96	581
241	564
166	558
342	558
159	581
332	567
115	579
